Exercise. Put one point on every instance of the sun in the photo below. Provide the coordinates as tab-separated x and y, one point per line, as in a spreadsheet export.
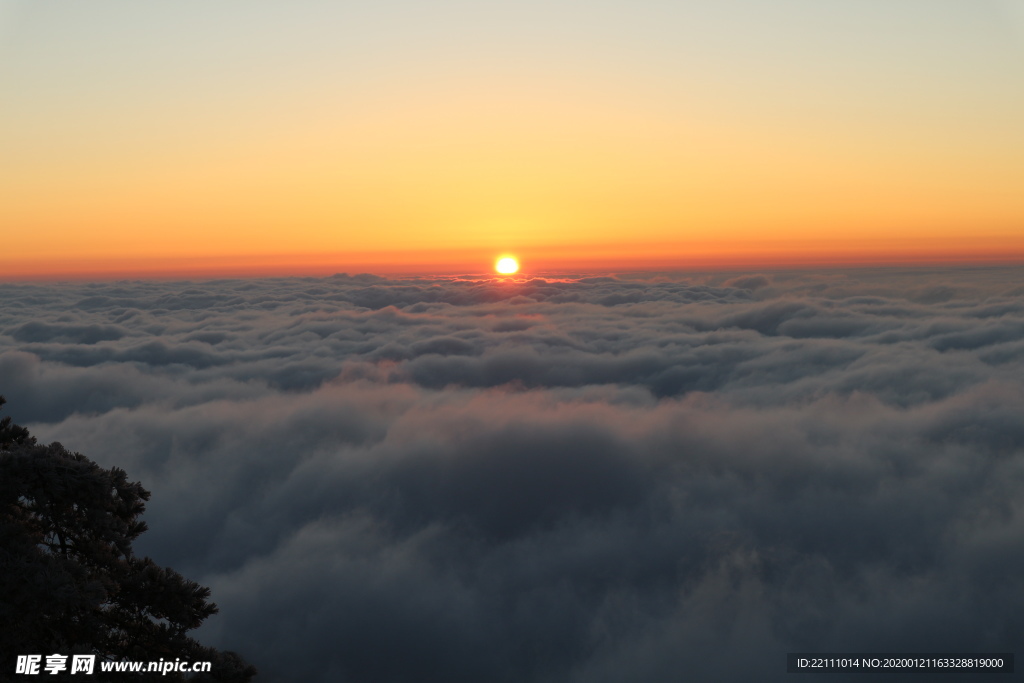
506	265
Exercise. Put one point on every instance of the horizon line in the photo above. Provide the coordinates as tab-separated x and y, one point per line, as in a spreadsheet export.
190	270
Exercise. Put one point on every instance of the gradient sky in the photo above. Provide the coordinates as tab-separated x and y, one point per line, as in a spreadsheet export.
314	136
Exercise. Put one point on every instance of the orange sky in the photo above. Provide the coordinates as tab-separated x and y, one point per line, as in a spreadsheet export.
865	137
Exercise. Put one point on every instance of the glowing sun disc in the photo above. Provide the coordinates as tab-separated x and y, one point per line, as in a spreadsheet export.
506	265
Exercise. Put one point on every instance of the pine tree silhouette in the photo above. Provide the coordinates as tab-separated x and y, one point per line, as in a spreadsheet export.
69	581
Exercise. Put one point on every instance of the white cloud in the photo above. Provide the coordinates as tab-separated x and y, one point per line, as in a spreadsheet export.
586	481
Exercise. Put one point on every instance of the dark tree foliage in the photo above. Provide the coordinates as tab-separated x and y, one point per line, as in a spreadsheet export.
69	582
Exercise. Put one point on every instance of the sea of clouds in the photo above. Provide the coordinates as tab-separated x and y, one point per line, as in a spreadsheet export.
584	479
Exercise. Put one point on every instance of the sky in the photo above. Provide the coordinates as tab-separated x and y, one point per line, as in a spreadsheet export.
585	479
182	138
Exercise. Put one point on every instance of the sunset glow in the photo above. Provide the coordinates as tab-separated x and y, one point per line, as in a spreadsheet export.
765	137
506	265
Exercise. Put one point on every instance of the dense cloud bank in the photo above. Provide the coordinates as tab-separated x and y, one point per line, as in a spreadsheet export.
585	479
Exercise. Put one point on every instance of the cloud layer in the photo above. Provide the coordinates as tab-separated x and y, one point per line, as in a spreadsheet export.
580	479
